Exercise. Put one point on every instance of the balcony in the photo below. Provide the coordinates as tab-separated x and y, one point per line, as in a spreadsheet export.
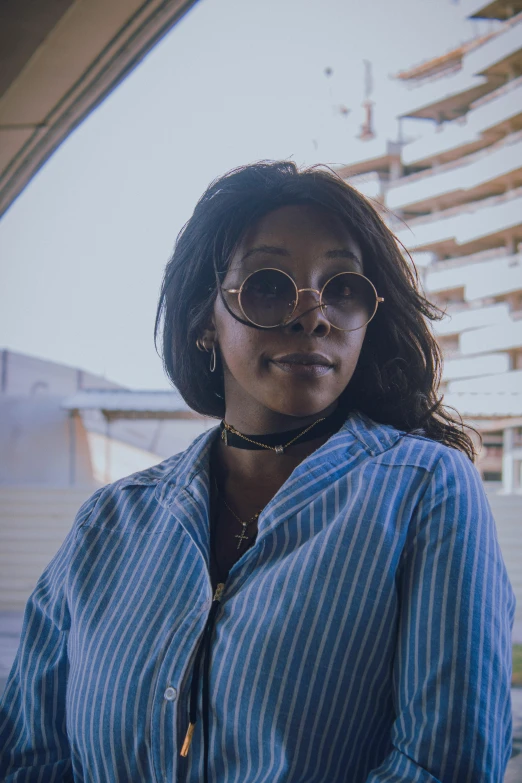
507	382
465	224
476	366
501	55
497	109
499	337
495	9
500	112
444	98
496	279
473	318
463	180
485	404
450	96
501	275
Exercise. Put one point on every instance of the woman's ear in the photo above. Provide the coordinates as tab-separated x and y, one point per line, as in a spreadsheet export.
209	336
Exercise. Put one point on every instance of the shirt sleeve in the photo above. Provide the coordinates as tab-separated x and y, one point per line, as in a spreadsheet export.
452	665
33	735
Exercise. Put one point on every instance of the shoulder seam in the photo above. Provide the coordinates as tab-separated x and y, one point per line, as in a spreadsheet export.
383	447
139	481
96	498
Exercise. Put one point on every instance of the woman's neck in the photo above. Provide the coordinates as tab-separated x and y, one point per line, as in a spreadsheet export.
265	468
253	421
243	467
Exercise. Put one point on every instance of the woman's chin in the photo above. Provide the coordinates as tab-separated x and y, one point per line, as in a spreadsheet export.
299	408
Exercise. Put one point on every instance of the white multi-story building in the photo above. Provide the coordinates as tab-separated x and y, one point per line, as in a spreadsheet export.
455	195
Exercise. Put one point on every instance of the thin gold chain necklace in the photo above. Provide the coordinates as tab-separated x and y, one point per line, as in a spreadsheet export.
278	449
242	537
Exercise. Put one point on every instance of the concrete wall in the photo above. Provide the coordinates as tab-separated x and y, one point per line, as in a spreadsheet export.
42	445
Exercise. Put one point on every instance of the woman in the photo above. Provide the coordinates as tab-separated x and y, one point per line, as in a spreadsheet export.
314	590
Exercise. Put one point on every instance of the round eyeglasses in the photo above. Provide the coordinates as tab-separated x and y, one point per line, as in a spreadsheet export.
269	297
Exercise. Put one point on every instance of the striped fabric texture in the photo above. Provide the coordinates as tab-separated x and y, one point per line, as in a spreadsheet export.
364	638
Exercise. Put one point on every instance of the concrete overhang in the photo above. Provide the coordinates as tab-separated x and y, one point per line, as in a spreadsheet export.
129	404
58	60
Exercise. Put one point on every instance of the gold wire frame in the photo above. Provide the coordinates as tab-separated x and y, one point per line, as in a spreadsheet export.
239	291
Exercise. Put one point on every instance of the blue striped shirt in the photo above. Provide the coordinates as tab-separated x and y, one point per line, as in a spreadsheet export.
365	637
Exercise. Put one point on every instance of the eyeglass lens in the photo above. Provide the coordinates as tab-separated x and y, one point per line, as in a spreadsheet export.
268	298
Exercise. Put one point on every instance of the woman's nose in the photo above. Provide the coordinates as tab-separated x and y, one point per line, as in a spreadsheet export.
308	315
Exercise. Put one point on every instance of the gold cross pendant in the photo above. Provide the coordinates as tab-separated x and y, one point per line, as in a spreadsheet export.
242	536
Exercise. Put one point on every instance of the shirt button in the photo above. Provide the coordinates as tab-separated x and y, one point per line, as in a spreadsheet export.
170	694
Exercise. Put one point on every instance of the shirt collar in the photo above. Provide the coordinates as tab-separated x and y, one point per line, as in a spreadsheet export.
182	481
179	471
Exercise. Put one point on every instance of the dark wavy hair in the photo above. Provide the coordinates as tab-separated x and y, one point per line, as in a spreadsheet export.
398	373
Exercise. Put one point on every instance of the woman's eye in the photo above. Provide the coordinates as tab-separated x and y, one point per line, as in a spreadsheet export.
341	292
264	289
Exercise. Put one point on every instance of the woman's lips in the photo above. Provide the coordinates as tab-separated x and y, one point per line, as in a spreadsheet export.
303	370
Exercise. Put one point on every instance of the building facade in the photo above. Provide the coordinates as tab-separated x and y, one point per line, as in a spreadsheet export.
453	196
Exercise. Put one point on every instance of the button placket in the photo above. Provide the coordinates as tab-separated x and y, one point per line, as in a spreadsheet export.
170	693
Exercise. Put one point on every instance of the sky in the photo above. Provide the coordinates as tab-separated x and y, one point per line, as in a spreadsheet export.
82	250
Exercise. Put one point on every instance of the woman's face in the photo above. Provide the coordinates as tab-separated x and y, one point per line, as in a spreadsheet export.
310	245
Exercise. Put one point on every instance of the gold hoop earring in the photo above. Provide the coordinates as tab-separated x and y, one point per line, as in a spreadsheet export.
213	359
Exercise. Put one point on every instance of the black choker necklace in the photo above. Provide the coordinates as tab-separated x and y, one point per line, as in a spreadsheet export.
279	441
